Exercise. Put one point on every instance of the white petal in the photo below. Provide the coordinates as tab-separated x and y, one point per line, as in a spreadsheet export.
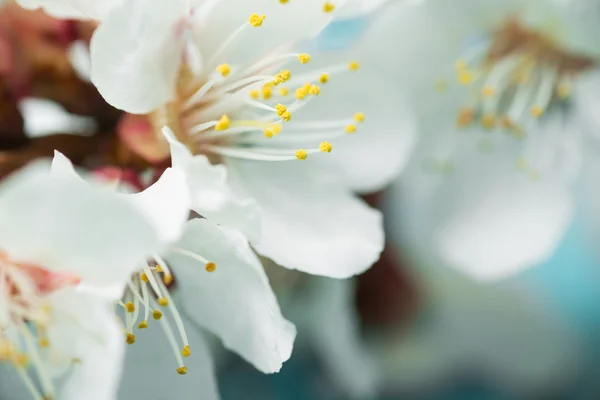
210	193
358	8
73	9
64	226
235	301
149	371
136	53
284	25
334	331
45	117
63	168
309	221
166	204
84	328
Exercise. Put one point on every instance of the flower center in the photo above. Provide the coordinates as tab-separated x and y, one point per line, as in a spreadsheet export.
240	110
515	78
25	314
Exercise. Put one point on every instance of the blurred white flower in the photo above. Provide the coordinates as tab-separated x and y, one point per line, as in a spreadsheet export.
489	189
52	248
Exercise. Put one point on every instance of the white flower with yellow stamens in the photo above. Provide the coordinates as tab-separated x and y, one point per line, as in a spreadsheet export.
221	282
503	90
53	249
226	78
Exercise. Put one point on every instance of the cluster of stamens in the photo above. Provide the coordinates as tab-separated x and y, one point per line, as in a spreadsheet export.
258	105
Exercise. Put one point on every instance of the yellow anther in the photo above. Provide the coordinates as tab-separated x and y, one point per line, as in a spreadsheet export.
129	307
163	301
223	123
460	65
465	117
283	91
143	325
488	121
167	279
507	123
284	1
286	116
303	58
182	370
210	267
314	90
353	66
280	109
301	93
144	277
276	128
254	94
268	133
282	76
158	268
465	77
20	360
325	147
328	7
324	78
359	117
130	338
256	20
301	154
47	308
267	92
224	69
44	343
186	352
156	314
536	111
6	350
488	91
350	128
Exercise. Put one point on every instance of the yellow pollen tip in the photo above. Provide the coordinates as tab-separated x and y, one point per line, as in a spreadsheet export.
359	117
488	91
143	325
254	94
351	128
325	147
267	92
314	90
268	133
163	301
301	93
44	343
280	109
167	279
537	111
256	20
210	267
286	116
563	91
223	123
301	154
156	314
283	91
465	77
276	128
324	78
328	7
284	1
353	66
144	277
129	307
223	69
186	352
488	121
465	117
158	268
130	338
182	370
460	65
303	58
20	360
